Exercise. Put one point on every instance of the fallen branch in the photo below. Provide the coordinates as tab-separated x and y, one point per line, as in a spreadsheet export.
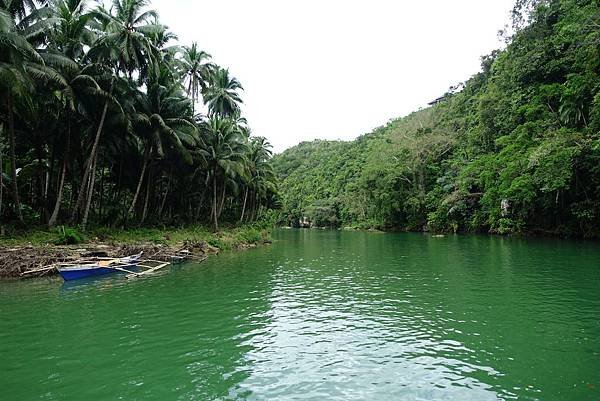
43	269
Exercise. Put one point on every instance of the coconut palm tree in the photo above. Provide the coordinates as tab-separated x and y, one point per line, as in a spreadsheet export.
73	28
106	79
163	121
19	9
126	47
20	65
222	95
196	71
262	176
225	153
129	28
98	110
81	90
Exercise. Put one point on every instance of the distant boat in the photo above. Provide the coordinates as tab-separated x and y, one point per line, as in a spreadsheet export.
97	267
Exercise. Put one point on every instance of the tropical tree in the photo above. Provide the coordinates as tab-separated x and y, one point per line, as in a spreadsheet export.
163	119
262	176
126	47
19	9
129	28
97	107
19	61
81	94
222	95
225	153
72	29
196	71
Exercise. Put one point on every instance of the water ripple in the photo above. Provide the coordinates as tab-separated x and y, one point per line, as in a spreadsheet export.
319	315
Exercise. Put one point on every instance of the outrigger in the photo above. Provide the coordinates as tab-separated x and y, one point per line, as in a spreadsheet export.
102	266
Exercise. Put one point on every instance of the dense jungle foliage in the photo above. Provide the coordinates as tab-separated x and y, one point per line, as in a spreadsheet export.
99	122
516	148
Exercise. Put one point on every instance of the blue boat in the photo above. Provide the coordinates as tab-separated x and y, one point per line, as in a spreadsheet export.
98	268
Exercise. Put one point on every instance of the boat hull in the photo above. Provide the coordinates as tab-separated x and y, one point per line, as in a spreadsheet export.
76	274
69	273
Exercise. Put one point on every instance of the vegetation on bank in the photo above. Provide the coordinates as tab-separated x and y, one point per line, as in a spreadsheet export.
226	239
101	123
516	148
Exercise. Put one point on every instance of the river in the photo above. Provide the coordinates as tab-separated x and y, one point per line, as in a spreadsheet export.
318	315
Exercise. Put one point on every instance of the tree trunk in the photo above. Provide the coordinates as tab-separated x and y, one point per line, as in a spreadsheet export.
89	194
193	102
47	187
254	206
139	185
50	173
222	199
244	206
200	203
1	171
41	184
202	197
13	156
145	211
54	216
73	186
249	206
162	204
88	164
117	192
215	218
101	190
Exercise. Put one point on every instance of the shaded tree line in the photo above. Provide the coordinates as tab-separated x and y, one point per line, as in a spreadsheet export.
99	122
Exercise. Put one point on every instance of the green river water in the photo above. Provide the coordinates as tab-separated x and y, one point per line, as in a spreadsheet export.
318	315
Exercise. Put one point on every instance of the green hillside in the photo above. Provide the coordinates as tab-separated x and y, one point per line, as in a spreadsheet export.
514	149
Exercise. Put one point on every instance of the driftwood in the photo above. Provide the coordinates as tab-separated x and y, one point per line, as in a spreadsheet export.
37	271
36	261
33	261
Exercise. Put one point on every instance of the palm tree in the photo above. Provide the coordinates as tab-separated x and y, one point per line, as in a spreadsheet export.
262	175
128	39
87	184
17	60
127	47
221	95
72	30
225	153
196	71
71	33
162	122
99	112
80	89
18	9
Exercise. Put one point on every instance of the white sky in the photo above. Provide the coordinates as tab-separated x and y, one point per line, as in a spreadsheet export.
336	69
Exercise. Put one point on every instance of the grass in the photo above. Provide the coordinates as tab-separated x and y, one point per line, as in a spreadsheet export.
227	238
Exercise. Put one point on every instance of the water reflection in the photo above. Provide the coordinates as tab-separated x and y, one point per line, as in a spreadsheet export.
344	330
319	315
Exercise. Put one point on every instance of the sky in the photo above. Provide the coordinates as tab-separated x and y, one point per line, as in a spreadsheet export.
336	69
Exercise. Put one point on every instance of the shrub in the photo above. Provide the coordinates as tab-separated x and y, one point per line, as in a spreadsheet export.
251	235
68	236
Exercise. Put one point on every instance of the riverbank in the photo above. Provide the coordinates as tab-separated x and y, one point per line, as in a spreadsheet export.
22	253
524	233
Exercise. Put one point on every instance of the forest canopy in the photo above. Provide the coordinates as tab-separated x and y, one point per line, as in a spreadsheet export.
99	122
516	148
